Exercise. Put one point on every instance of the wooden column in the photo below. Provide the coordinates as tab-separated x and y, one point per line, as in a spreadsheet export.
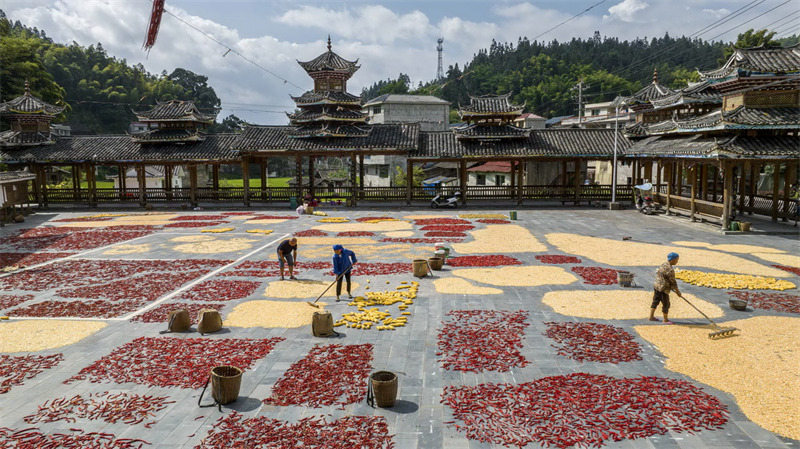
43	171
262	170
168	181
776	178
520	181
693	208
361	176
634	171
742	171
193	184
76	182
246	180
577	181
563	173
668	176
715	170
409	180
353	189
462	174
727	184
648	171
299	176
755	172
37	183
311	175
122	181
658	175
215	176
91	180
141	180
788	180
703	182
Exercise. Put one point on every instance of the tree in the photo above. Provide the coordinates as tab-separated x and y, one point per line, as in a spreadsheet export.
196	87
230	124
752	38
399	179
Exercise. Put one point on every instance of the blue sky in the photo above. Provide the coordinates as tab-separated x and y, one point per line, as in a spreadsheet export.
388	37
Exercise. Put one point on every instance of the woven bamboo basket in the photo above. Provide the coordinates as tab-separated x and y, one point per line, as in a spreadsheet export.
225	384
179	321
322	324
384	387
625	278
208	321
436	263
420	268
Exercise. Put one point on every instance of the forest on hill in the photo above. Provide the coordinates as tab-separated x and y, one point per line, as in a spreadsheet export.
544	75
100	92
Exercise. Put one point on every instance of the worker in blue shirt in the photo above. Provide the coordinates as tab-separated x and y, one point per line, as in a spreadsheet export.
343	260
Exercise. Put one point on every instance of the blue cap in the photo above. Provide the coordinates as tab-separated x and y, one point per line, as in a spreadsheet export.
338	247
671	256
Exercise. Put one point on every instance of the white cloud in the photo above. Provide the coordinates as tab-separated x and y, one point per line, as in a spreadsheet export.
627	9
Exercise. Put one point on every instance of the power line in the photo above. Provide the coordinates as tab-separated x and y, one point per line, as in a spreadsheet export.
571	18
781	20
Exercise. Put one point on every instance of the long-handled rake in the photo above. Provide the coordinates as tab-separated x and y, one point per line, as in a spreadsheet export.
720	332
314	304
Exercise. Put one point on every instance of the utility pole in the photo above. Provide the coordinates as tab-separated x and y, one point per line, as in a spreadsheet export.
580	86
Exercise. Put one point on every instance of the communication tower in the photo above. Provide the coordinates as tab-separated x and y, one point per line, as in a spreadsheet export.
439	69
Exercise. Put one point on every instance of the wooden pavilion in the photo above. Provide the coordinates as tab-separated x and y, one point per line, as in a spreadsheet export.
727	145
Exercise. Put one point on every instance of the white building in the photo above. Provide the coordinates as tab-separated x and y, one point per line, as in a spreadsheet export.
530	121
154	177
492	173
432	114
599	115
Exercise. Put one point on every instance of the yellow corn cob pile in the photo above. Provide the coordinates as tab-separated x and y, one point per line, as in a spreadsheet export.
500	216
260	231
365	318
332	219
218	230
740	281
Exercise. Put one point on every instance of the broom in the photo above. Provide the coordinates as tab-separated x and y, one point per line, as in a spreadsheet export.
314	304
720	332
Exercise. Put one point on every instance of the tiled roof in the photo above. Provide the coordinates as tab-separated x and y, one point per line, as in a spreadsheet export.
490	132
330	61
653	91
542	143
491	104
764	116
19	138
725	147
122	148
15	176
28	104
336	114
739	118
492	167
175	110
406	99
702	92
276	139
326	97
758	60
326	130
168	135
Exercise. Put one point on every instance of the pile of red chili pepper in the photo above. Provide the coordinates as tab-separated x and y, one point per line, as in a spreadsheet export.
160	313
14	370
28	259
482	261
581	410
8	301
454	228
779	302
311	233
33	438
78	309
597	275
420	240
379	269
355	234
493	221
330	374
127	408
221	290
193	224
593	342
482	340
440	221
268	268
557	259
794	270
363	432
274	217
73	239
234	214
174	362
199	218
138	288
444	234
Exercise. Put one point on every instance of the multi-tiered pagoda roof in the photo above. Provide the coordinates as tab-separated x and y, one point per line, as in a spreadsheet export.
173	121
29	118
489	117
757	61
328	111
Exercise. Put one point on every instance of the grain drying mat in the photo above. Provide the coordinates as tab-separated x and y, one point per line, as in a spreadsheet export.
622	304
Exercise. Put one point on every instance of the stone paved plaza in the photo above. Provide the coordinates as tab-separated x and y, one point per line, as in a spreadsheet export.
419	419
